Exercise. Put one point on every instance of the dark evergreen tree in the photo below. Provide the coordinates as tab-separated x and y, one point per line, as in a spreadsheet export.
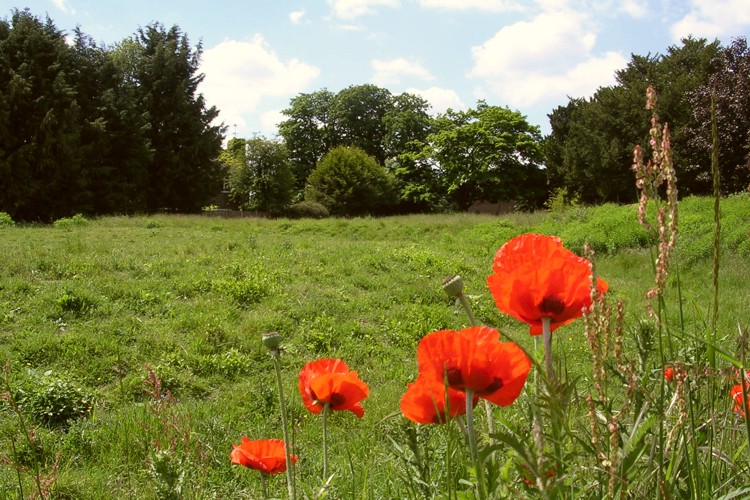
40	159
184	172
589	152
113	145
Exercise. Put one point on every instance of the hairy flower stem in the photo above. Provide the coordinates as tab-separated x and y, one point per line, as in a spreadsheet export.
473	442
287	441
473	320
547	333
325	442
263	484
467	307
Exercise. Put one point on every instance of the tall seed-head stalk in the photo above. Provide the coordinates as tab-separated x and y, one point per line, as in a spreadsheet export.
272	341
717	230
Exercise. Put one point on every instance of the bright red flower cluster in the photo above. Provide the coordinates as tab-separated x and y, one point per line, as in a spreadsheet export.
330	381
471	359
535	277
265	455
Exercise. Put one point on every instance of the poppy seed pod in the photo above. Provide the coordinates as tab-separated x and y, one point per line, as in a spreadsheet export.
454	286
272	341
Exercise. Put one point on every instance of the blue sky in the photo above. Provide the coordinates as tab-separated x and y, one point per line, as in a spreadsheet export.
528	55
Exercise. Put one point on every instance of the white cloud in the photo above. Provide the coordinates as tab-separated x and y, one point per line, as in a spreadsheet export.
488	5
637	9
63	6
270	120
349	9
440	99
240	75
296	16
543	60
713	18
388	72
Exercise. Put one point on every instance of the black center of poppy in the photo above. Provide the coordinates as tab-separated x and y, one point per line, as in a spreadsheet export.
493	386
337	400
455	378
551	306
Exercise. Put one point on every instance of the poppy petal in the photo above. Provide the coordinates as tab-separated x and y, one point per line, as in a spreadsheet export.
265	455
425	402
535	277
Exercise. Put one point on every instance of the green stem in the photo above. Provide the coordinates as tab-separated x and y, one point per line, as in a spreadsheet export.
487	406
263	484
473	442
467	307
325	443
547	333
287	442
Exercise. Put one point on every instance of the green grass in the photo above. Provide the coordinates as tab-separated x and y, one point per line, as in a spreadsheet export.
93	303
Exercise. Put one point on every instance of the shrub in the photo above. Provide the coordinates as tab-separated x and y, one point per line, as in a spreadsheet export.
6	220
53	400
77	220
348	181
307	209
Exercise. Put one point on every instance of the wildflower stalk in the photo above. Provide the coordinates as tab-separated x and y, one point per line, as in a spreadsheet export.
717	230
271	341
325	441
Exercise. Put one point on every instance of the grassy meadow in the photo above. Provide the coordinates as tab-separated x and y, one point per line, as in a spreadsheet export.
133	357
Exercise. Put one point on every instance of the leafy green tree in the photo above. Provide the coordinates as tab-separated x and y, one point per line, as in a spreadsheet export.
183	173
407	126
358	117
307	132
40	160
264	180
489	153
731	89
348	181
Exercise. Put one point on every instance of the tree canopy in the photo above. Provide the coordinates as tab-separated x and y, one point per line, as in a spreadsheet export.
95	130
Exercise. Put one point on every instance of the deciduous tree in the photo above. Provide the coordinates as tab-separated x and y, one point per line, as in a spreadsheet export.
348	181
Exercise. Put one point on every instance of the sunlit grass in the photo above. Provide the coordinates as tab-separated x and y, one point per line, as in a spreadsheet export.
190	297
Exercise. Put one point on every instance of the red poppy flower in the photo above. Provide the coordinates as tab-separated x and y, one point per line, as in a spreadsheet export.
535	277
424	402
475	359
330	381
265	455
736	394
669	373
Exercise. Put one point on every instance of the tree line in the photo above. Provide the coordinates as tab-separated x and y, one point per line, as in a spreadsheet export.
94	129
98	130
